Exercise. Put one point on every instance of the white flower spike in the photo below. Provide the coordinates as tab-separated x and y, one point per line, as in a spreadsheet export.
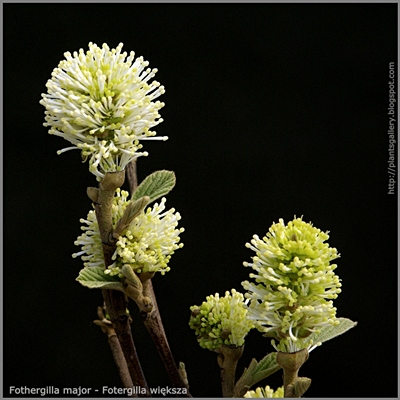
147	245
102	102
294	284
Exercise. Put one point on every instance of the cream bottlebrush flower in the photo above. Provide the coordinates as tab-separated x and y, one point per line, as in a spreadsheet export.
102	102
221	321
265	393
147	245
295	284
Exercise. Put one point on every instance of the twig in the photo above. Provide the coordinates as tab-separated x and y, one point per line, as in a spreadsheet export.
131	172
116	301
153	320
116	350
228	358
291	363
154	326
120	362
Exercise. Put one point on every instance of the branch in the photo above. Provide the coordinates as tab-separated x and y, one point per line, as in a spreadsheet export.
116	350
152	320
291	363
228	358
154	326
131	172
116	301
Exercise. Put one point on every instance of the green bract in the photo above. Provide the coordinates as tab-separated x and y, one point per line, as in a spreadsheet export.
295	283
221	321
147	244
102	102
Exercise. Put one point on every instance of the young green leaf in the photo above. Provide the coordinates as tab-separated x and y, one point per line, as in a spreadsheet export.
256	372
329	332
156	185
266	367
269	361
95	278
137	207
133	209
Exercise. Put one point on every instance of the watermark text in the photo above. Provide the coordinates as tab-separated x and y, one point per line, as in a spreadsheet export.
392	162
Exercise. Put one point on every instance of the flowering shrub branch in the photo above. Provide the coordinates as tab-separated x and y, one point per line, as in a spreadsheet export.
103	102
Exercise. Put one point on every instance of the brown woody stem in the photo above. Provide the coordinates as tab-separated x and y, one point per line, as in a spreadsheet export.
291	363
120	361
154	326
228	358
116	350
152	320
116	301
131	173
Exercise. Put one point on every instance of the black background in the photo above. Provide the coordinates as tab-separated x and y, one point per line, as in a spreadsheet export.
272	110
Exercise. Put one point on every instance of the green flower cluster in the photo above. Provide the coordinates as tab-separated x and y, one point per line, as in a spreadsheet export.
295	284
146	246
221	321
265	393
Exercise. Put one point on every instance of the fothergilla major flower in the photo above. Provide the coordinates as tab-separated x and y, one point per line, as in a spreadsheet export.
221	321
103	103
147	245
294	284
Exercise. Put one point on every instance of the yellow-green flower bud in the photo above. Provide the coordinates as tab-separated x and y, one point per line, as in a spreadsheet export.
221	321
